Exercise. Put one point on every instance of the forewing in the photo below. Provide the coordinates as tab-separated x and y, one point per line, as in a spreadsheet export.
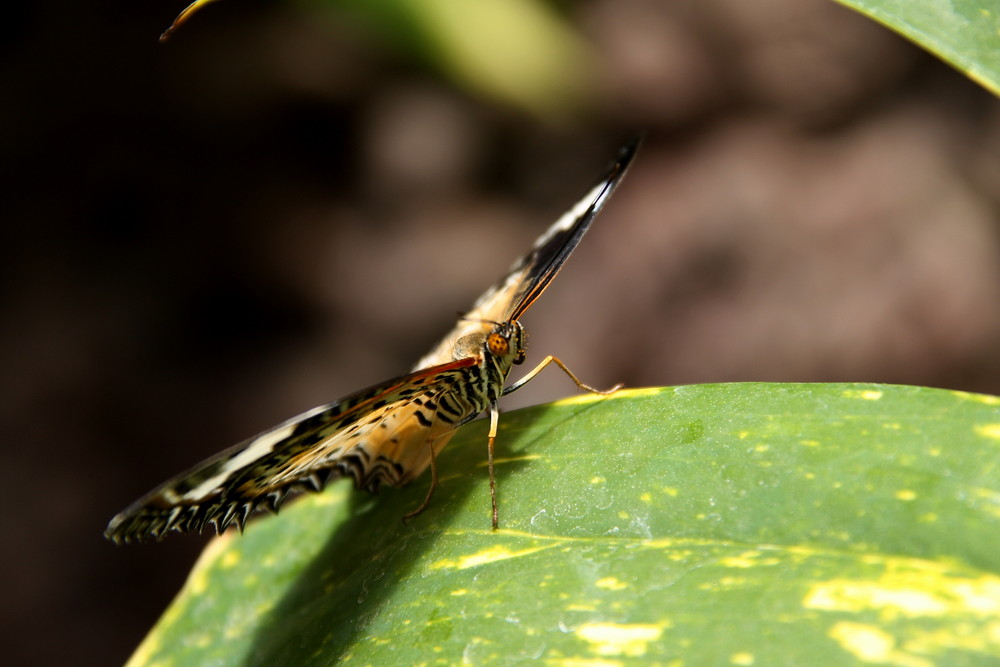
528	277
381	434
531	274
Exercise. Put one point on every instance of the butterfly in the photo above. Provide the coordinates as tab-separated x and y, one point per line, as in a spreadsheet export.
391	432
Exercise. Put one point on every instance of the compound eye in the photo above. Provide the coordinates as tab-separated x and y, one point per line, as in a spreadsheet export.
497	345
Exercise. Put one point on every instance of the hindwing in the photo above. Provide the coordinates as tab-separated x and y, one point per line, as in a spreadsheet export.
378	435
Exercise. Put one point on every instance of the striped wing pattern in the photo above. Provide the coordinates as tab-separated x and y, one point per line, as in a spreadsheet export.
376	436
386	434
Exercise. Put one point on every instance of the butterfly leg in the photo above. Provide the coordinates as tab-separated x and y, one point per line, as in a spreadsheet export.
555	360
494	422
430	492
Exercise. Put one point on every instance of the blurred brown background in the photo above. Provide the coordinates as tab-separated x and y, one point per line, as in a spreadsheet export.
284	204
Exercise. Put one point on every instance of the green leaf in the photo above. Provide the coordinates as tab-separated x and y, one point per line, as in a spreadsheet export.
520	52
705	525
963	33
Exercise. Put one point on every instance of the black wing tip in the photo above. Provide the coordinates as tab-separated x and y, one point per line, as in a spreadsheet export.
631	147
626	153
624	158
616	172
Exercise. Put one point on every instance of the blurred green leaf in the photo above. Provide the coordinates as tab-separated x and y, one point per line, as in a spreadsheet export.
520	52
716	524
963	33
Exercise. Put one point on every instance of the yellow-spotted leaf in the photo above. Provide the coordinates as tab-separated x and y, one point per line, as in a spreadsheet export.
705	525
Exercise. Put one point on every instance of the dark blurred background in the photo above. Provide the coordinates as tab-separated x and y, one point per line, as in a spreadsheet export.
290	201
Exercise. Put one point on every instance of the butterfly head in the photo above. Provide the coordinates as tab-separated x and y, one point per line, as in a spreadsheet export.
507	339
502	342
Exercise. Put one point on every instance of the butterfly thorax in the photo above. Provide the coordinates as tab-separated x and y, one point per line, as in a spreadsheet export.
498	345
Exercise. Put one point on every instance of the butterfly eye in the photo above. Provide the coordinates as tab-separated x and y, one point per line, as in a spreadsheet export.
497	344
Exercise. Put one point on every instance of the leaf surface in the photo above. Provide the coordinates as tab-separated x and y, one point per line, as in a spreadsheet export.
711	524
963	33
